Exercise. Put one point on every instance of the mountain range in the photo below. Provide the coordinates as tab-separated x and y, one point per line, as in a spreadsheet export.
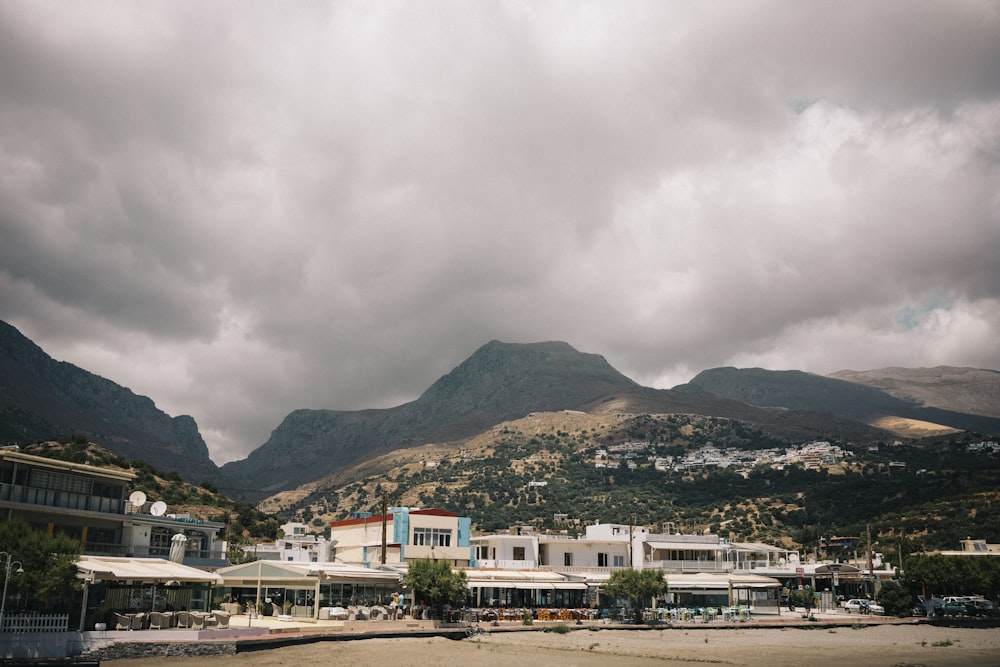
41	398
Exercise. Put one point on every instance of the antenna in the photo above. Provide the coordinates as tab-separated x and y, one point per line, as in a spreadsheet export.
138	498
159	508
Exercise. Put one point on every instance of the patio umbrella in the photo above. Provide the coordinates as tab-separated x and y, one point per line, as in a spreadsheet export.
178	545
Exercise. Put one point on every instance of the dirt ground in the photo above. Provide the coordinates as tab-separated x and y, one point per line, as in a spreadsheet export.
888	645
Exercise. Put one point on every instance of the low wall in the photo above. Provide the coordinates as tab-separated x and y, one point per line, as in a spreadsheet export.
34	645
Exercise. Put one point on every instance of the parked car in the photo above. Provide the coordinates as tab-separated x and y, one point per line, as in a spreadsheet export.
860	606
953	606
980	607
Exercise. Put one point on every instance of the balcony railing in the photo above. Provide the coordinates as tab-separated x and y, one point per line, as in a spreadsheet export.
500	564
27	495
202	556
690	565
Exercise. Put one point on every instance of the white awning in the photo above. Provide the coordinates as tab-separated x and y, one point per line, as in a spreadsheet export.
571	586
684	546
721	581
149	570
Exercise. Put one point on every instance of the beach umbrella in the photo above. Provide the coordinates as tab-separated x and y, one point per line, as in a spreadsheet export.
178	545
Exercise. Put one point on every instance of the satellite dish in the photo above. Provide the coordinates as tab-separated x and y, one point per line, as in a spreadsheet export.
138	498
159	508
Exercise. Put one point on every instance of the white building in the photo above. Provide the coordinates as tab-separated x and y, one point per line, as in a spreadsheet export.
405	534
297	546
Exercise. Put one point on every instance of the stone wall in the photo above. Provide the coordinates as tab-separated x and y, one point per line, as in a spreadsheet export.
119	650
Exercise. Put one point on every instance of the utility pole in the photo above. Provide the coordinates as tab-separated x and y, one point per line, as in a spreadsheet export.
384	520
871	574
631	521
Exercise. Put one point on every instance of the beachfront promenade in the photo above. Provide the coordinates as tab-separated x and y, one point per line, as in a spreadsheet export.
259	633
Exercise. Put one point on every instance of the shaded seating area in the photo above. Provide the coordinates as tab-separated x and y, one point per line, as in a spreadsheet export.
137	583
159	620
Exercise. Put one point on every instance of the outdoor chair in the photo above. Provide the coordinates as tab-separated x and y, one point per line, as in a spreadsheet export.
197	621
183	619
122	621
222	620
137	621
159	620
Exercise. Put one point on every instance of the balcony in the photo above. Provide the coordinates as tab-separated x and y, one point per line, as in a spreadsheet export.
417	552
26	495
499	564
689	566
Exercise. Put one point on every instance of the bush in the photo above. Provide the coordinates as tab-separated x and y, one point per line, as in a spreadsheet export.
895	599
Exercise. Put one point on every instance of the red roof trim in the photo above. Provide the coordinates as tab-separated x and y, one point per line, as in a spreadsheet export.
378	519
433	512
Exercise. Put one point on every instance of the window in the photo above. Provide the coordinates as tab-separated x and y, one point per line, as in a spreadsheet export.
57	481
567	559
619	561
518	553
602	560
159	541
431	537
195	543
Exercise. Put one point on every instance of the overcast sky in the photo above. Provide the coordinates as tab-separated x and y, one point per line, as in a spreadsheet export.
243	208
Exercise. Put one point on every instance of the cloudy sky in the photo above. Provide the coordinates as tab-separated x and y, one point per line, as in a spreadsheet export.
243	208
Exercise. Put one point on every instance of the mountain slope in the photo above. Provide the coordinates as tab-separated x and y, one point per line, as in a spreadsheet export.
499	381
41	398
973	391
796	390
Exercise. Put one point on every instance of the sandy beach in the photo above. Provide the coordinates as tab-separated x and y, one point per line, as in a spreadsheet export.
892	645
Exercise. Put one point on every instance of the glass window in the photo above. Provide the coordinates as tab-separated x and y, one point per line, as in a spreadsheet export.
431	537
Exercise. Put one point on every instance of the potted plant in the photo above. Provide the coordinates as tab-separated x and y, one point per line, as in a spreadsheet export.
101	615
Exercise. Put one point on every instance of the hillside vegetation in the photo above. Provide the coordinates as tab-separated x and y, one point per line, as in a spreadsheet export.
542	471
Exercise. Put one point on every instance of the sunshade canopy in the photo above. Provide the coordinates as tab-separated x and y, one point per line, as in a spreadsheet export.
147	570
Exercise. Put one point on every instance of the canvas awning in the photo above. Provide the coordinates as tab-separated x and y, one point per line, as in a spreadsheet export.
521	579
683	546
708	581
147	570
282	573
571	586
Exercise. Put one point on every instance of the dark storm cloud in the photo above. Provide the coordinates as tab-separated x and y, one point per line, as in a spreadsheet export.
243	208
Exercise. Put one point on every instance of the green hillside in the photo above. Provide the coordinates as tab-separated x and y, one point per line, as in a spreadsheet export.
543	471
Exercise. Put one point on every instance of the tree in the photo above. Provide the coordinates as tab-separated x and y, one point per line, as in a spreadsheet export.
436	583
895	599
49	580
637	586
804	597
